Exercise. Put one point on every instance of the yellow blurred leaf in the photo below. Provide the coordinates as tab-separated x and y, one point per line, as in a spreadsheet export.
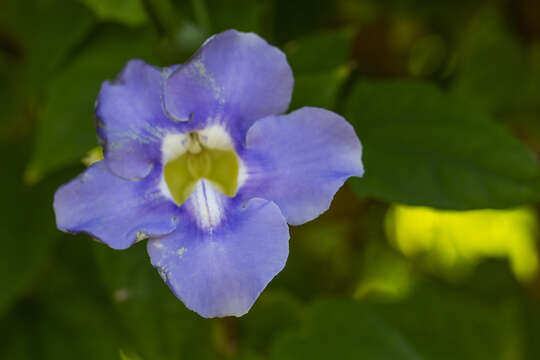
459	239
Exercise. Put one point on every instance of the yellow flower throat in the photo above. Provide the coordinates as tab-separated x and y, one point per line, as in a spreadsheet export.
218	166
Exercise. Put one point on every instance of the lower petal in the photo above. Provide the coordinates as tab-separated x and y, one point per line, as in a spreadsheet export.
116	211
220	270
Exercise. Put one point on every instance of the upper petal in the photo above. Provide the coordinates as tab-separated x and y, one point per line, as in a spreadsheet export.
223	253
300	160
131	121
235	78
116	211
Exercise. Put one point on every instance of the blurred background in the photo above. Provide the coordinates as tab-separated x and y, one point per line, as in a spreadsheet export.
432	255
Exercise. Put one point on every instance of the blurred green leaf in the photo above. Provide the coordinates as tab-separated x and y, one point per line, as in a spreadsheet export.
159	324
490	281
436	322
129	12
124	356
65	316
452	243
15	116
32	331
427	55
342	329
422	147
320	262
164	15
293	19
320	51
41	35
249	355
274	312
493	70
494	288
532	326
38	37
446	14
320	65
318	89
66	128
27	224
46	31
445	323
386	274
242	15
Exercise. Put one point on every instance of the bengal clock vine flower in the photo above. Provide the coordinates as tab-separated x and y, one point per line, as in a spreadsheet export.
201	160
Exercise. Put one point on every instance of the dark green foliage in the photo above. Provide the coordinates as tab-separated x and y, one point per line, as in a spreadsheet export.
66	120
343	329
422	147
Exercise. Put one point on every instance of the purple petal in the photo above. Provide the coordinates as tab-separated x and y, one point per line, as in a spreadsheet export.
222	254
116	211
235	78
131	121
300	160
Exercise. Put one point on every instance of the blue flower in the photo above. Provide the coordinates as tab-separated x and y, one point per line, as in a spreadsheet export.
200	159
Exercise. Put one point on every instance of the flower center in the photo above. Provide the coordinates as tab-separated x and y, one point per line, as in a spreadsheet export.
219	166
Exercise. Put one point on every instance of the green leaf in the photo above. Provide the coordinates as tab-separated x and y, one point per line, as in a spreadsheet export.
493	70
37	331
447	323
320	65
292	19
65	316
385	275
66	127
422	147
15	116
38	37
532	327
320	51
129	12
28	228
318	89
321	261
124	356
436	321
242	15
342	329
159	324
274	312
46	32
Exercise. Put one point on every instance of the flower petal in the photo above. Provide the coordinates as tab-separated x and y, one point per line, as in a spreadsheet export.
131	121
116	211
300	160
235	78
219	267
